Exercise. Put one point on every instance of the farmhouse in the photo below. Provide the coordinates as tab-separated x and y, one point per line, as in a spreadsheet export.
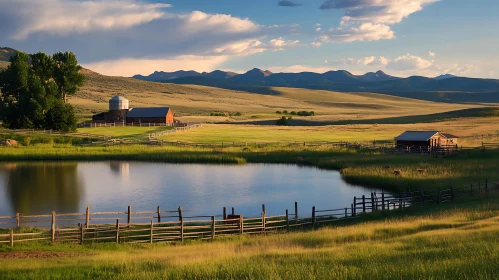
119	111
425	139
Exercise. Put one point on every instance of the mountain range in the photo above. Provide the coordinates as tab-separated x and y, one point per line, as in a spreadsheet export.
444	88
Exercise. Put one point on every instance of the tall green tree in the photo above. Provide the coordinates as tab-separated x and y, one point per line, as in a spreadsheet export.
67	74
30	95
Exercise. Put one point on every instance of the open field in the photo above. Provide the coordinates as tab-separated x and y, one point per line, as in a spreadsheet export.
216	133
458	241
191	101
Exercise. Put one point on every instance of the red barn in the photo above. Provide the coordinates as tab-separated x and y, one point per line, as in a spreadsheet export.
150	115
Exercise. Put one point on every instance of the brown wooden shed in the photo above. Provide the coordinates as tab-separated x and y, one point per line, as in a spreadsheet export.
425	139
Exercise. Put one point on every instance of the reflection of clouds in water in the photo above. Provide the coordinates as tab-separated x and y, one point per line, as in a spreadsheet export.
207	188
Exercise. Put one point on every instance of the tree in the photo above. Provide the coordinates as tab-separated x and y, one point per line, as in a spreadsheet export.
66	74
61	117
30	96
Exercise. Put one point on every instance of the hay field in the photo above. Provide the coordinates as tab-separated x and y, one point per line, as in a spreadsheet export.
192	101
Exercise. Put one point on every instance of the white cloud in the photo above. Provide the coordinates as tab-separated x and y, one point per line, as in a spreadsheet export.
431	54
316	44
252	46
318	29
365	61
63	17
129	66
365	32
376	11
198	22
409	62
279	44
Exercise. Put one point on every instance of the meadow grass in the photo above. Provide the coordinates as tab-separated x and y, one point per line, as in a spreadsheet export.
459	241
129	132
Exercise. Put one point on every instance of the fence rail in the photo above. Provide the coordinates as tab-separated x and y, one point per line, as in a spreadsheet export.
130	227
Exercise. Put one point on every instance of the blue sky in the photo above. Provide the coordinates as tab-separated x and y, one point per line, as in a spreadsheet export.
126	37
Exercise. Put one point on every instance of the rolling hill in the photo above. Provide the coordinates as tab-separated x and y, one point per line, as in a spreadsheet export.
195	102
445	88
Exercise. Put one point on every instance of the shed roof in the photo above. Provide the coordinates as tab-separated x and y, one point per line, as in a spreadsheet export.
158	112
416	135
449	136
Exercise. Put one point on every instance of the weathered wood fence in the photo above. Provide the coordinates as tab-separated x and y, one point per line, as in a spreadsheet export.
155	135
174	226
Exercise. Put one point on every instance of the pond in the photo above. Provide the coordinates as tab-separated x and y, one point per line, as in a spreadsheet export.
68	187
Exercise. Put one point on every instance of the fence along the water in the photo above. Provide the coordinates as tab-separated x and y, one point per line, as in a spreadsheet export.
173	226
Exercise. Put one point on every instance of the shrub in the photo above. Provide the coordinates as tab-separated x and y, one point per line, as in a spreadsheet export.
285	111
61	117
293	113
305	113
278	112
218	114
237	114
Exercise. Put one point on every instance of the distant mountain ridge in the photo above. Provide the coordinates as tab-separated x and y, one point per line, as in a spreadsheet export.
444	88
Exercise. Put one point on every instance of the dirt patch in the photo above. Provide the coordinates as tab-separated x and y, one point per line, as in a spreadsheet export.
43	255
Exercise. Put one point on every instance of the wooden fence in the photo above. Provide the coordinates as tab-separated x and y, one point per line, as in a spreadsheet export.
174	226
155	135
123	124
54	132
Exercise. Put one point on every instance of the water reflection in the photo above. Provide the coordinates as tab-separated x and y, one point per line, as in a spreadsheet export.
68	187
42	188
120	168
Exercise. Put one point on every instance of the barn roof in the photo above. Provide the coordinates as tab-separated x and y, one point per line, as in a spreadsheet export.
448	135
158	112
416	135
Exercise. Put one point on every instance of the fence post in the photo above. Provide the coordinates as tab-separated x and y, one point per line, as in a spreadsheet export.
373	207
81	234
263	221
159	214
287	220
241	223
355	205
53	226
364	203
233	212
263	208
87	219
152	232
212	228
296	210
346	212
18	220
313	217
129	219
225	213
382	200
353	211
117	231
181	219
11	238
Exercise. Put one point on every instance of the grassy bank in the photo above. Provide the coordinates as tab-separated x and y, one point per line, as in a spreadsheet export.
365	168
457	242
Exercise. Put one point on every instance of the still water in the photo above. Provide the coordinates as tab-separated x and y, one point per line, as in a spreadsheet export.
68	187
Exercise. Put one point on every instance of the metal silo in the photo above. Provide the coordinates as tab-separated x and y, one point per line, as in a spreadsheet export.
118	103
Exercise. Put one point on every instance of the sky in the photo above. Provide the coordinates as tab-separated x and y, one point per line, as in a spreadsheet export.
127	37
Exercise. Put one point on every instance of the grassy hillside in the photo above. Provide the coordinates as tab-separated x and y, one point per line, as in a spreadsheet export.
192	101
457	242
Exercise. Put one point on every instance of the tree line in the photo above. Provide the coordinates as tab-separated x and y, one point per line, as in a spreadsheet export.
34	91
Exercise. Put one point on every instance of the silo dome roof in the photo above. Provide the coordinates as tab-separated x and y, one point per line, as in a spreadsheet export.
118	98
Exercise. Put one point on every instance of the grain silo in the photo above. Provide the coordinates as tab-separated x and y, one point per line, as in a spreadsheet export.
118	103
